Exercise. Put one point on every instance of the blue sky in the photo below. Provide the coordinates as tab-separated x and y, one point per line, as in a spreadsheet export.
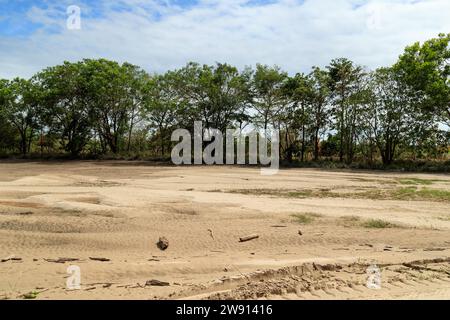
15	19
165	34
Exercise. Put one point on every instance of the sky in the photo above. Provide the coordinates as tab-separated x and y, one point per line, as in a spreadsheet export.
161	35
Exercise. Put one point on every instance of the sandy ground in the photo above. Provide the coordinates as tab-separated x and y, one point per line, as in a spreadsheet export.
118	211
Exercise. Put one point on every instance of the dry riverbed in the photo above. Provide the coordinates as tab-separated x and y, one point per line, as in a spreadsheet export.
318	231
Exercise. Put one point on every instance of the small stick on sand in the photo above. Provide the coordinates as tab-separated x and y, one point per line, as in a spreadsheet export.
90	288
124	285
100	283
248	238
100	259
434	249
211	233
62	260
157	283
11	258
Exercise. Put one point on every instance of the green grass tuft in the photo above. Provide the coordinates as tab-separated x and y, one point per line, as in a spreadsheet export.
300	194
415	181
412	192
305	218
378	224
31	295
349	221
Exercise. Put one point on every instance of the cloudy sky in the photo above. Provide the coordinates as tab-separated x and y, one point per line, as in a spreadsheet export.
165	34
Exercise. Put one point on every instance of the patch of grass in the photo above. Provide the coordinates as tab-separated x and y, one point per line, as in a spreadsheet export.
300	194
415	181
378	224
374	194
257	192
185	211
412	193
434	194
404	193
274	192
30	295
349	221
355	221
304	218
376	181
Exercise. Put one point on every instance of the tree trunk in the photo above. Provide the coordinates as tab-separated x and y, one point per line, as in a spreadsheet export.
30	140
387	155
23	143
341	144
161	141
316	145
303	143
130	132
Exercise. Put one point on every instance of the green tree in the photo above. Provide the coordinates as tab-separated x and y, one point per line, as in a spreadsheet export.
68	111
162	105
217	95
114	96
347	86
7	132
295	116
426	68
137	83
21	110
319	111
269	96
390	113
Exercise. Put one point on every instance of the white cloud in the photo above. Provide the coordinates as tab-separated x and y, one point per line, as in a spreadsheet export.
292	34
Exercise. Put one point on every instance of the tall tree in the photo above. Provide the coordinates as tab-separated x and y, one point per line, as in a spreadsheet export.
295	116
137	83
346	84
218	95
68	111
390	113
269	98
7	132
426	68
162	103
113	95
319	111
21	109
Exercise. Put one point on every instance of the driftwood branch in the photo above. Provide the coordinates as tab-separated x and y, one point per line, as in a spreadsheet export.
157	283
248	238
11	258
62	260
99	259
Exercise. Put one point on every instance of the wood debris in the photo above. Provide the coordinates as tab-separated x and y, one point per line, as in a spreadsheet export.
157	283
248	238
62	260
99	259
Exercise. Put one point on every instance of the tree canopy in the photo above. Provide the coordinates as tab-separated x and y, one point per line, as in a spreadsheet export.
341	112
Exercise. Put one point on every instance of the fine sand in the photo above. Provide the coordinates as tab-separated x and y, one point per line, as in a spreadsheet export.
316	232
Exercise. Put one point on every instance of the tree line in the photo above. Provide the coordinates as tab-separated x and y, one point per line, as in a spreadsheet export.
343	112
